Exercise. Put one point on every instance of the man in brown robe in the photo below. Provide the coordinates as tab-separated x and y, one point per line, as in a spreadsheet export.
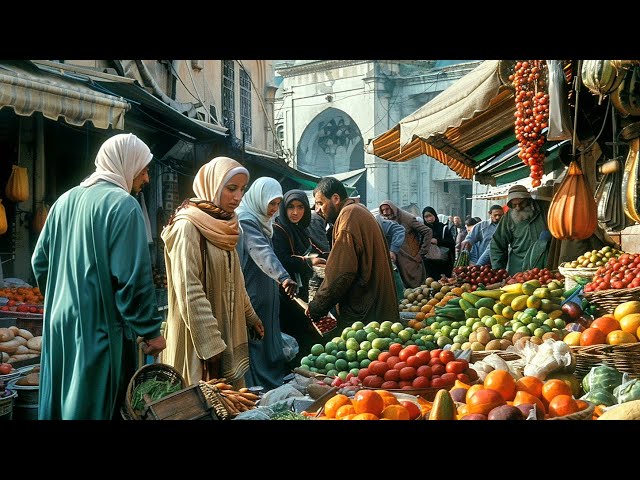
357	279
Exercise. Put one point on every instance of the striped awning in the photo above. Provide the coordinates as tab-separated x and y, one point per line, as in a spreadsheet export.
28	89
472	110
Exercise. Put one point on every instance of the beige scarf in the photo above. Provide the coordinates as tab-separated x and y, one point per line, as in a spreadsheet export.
216	225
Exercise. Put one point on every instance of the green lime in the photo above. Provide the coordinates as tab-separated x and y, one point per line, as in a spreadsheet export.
373	354
317	349
342	365
353	344
351	355
330	346
365	363
341	354
353	365
342	375
355	371
357	325
330	366
372	336
362	354
332	373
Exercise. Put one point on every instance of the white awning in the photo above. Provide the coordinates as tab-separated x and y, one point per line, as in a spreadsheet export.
28	89
349	178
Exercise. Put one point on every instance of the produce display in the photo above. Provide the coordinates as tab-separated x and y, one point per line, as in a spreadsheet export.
594	258
544	275
18	344
22	300
617	273
479	274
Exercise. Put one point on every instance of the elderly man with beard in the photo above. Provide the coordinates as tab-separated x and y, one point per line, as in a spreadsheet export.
520	229
357	278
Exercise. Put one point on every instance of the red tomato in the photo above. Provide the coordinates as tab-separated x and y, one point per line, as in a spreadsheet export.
5	368
464	378
456	367
435	353
447	356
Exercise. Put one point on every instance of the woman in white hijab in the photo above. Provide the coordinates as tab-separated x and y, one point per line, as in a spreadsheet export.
209	309
263	272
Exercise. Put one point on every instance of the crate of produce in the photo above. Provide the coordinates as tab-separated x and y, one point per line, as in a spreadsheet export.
606	301
187	404
574	276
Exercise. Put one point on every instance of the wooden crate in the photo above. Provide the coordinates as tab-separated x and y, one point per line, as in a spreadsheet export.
187	404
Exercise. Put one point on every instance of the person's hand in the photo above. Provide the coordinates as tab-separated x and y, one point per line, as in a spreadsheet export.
290	287
318	262
393	256
434	241
154	346
259	328
465	245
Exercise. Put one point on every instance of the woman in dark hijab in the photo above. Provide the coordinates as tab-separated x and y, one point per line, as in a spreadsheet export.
298	254
443	238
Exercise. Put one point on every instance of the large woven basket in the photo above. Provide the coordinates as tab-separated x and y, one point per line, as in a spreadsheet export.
584	414
625	358
573	275
606	301
586	358
482	354
158	371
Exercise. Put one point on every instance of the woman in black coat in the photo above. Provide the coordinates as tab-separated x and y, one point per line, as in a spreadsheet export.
443	238
298	254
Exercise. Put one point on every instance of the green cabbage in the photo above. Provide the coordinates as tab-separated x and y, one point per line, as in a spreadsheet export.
603	377
599	396
628	391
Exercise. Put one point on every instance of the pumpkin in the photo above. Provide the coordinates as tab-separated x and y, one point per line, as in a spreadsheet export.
17	189
3	219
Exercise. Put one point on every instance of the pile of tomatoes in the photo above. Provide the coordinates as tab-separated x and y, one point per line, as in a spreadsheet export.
617	273
544	275
532	114
479	274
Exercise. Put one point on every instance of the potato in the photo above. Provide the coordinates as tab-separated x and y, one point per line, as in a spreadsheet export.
35	343
6	335
19	358
15	330
26	334
10	347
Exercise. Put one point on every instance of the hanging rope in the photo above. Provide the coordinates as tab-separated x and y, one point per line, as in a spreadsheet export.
578	80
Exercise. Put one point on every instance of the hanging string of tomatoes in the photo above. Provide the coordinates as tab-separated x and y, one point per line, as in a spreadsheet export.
532	114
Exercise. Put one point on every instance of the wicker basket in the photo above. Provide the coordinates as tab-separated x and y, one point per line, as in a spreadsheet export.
606	301
482	354
625	358
572	274
584	414
586	358
158	371
428	393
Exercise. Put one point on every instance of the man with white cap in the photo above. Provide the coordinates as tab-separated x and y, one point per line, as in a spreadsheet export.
518	231
92	263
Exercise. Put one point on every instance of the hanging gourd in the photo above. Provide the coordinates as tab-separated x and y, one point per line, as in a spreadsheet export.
40	217
3	219
601	77
18	185
573	211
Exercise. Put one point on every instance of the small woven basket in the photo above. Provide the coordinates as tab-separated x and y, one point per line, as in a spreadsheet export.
157	371
482	354
606	301
584	414
572	274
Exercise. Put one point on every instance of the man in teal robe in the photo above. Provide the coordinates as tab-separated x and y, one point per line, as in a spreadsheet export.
92	263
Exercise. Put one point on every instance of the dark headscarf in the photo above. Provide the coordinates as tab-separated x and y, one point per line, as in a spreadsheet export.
433	212
297	232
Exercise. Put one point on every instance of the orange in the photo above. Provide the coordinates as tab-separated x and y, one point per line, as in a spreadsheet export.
349	417
554	387
388	398
395	412
592	336
531	385
368	401
345	411
618	337
606	324
581	404
562	405
625	309
630	323
365	416
414	410
334	403
501	381
526	397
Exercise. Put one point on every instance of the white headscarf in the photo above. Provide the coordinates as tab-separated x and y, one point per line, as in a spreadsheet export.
256	201
120	159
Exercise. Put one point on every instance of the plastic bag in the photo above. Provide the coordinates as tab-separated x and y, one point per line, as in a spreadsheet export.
559	118
541	360
290	346
276	395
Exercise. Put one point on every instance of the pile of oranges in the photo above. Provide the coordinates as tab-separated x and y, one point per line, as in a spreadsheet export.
373	405
553	397
19	295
